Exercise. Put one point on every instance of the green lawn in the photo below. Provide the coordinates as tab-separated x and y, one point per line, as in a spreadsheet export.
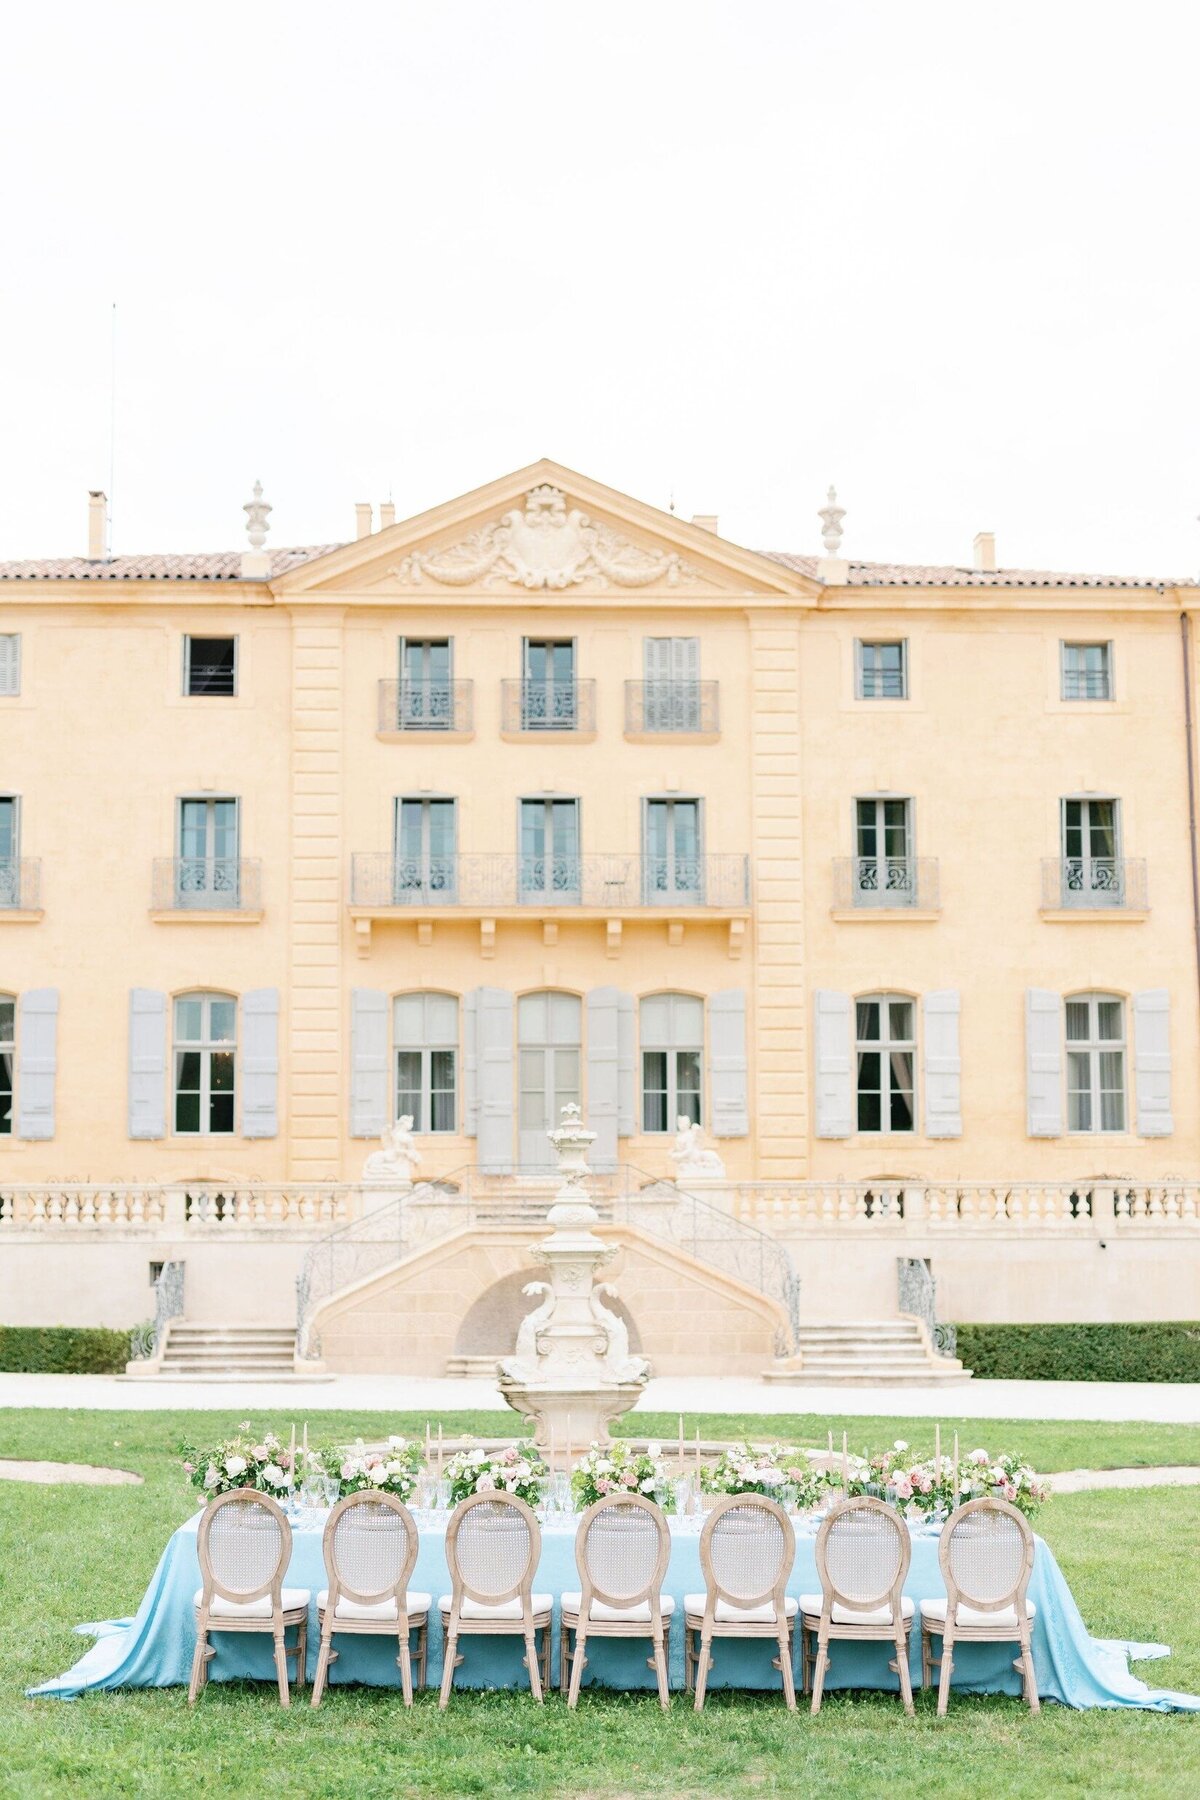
72	1553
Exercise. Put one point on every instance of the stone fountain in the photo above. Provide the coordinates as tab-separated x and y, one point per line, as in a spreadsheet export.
572	1372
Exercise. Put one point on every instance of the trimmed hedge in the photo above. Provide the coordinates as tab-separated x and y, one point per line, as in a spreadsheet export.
63	1350
1160	1350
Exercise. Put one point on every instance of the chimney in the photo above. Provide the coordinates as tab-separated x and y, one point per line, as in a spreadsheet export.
362	519
387	514
97	524
706	522
985	552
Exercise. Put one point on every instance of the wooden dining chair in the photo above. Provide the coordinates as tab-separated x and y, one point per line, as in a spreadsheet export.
493	1544
370	1549
863	1551
747	1549
622	1549
986	1556
244	1543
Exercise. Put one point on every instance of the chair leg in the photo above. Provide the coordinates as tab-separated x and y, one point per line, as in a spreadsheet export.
926	1656
820	1665
689	1659
405	1661
944	1679
785	1667
702	1663
199	1667
302	1654
449	1655
578	1665
1029	1678
532	1661
323	1654
281	1669
564	1657
902	1671
547	1645
660	1670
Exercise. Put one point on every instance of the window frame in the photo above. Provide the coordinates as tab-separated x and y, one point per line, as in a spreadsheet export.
206	1047
674	895
1105	644
426	1050
8	1046
672	1050
211	896
428	891
1094	1047
860	645
551	896
884	894
13	692
549	720
428	719
189	637
883	1046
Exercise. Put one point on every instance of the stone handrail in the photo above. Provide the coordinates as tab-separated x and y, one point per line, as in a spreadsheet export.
915	1207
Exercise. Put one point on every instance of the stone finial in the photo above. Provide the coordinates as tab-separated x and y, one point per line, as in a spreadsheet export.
257	511
831	516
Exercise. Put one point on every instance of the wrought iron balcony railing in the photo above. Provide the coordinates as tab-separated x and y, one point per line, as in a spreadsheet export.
20	883
207	884
666	706
547	705
426	705
885	882
1094	882
613	882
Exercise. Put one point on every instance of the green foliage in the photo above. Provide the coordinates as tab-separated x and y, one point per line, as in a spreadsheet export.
1164	1350
64	1350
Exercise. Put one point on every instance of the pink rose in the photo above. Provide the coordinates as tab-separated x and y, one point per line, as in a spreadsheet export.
189	1468
260	1453
603	1484
347	1471
486	1484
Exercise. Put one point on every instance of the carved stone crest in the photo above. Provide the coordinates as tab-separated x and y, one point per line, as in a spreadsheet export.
546	544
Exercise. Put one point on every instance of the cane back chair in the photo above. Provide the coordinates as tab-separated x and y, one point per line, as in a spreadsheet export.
244	1543
370	1549
622	1549
862	1552
493	1544
747	1549
986	1555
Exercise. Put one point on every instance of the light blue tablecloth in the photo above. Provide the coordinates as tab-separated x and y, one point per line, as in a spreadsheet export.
154	1649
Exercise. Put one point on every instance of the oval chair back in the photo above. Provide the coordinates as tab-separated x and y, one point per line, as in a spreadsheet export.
622	1549
986	1557
747	1549
493	1544
244	1544
863	1552
370	1550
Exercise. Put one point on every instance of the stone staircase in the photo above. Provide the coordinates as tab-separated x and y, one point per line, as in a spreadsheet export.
889	1353
474	1368
228	1352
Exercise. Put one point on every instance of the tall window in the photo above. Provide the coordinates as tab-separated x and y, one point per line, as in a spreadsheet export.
10	865
210	665
1087	672
672	1060
426	852
10	662
549	701
881	669
886	1054
207	868
549	859
1095	1062
674	864
425	1036
8	1045
549	1034
205	1056
883	866
1093	870
426	694
672	691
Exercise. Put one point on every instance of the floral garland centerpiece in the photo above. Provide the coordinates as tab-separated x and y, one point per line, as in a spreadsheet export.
395	1469
1004	1477
775	1470
243	1461
517	1470
617	1469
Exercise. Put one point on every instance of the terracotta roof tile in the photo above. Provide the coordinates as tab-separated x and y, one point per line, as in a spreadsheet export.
217	565
867	574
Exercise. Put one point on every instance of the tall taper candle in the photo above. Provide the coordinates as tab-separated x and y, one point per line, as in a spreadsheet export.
292	1462
440	1450
553	1460
956	1469
681	1464
697	1453
568	1443
937	1452
845	1467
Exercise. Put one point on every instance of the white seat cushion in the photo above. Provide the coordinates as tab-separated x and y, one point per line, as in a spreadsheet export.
811	1604
933	1612
375	1609
506	1609
620	1615
293	1600
740	1615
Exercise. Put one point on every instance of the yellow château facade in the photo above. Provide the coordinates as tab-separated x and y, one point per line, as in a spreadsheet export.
879	873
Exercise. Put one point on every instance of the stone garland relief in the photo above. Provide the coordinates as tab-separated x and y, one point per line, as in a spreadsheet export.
545	545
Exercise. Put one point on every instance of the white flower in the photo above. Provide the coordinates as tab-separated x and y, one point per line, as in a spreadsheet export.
523	1470
395	1468
979	1456
275	1475
377	1475
771	1477
486	1484
475	1457
648	1486
211	1475
235	1465
654	1451
899	1444
398	1443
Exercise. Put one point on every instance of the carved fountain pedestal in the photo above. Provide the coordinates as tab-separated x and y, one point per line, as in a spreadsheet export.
572	1372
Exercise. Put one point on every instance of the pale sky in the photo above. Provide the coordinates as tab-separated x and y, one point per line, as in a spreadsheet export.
942	254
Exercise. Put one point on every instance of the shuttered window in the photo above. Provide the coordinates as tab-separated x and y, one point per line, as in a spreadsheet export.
10	662
884	1028
672	1060
205	1064
425	1038
1095	1062
8	1047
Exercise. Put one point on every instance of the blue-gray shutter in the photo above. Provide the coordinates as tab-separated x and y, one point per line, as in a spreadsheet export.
834	1048
727	1063
370	1113
260	1063
1043	1062
626	1066
604	1073
1152	1061
147	1063
471	1062
494	1080
943	1069
37	1061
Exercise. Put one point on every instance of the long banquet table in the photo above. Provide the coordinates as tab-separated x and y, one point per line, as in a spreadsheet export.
154	1649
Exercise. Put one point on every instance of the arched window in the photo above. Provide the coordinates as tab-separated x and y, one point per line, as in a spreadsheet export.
205	1062
8	1045
1095	1062
885	1044
425	1039
672	1060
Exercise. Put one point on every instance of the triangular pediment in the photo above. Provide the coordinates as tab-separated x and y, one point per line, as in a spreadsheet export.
543	529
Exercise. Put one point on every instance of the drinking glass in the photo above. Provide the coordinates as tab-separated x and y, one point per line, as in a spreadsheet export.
683	1495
